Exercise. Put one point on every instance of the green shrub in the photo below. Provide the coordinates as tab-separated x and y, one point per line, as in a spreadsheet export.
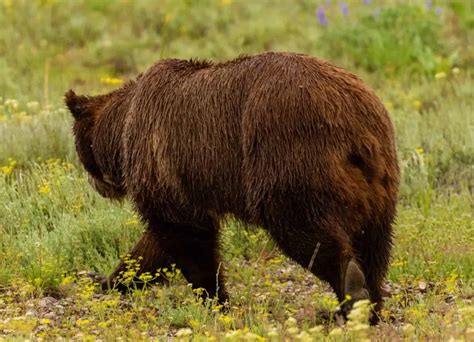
399	39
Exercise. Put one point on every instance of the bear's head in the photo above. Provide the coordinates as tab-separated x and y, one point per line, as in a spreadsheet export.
87	112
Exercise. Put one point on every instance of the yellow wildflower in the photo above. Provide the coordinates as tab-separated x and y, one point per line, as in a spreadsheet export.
226	2
132	222
8	169
45	321
455	71
217	308
145	277
52	163
67	280
417	104
111	80
388	104
44	189
103	325
399	263
419	150
440	75
276	261
451	282
225	319
82	322
194	323
168	18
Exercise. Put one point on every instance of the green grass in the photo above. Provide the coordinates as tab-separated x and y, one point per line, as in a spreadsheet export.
52	224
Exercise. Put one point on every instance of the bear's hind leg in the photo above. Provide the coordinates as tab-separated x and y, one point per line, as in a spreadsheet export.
322	253
373	250
328	254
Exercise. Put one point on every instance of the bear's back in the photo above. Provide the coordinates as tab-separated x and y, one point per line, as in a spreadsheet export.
224	135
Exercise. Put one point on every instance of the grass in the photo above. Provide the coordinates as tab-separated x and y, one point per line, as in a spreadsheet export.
54	228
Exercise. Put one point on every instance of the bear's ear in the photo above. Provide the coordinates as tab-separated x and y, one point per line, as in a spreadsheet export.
76	104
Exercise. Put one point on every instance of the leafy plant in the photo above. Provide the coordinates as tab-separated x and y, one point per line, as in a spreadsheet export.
398	39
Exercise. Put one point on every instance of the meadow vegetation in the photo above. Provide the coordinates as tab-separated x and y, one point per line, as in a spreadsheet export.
55	231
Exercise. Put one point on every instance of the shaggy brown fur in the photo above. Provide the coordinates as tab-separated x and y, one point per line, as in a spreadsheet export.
284	141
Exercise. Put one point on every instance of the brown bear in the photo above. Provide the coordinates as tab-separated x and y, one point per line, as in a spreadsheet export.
284	141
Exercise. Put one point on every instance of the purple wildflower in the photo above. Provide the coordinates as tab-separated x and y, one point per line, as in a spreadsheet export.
322	16
344	8
367	2
438	10
429	4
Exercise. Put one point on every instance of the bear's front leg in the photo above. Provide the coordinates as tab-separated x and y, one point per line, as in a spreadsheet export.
193	248
148	255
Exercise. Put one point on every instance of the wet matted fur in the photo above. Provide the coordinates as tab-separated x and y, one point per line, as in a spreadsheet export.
284	141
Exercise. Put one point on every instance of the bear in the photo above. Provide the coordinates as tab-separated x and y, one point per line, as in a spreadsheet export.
283	141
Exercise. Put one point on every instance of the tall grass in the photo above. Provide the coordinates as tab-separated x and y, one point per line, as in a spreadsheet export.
53	223
35	135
